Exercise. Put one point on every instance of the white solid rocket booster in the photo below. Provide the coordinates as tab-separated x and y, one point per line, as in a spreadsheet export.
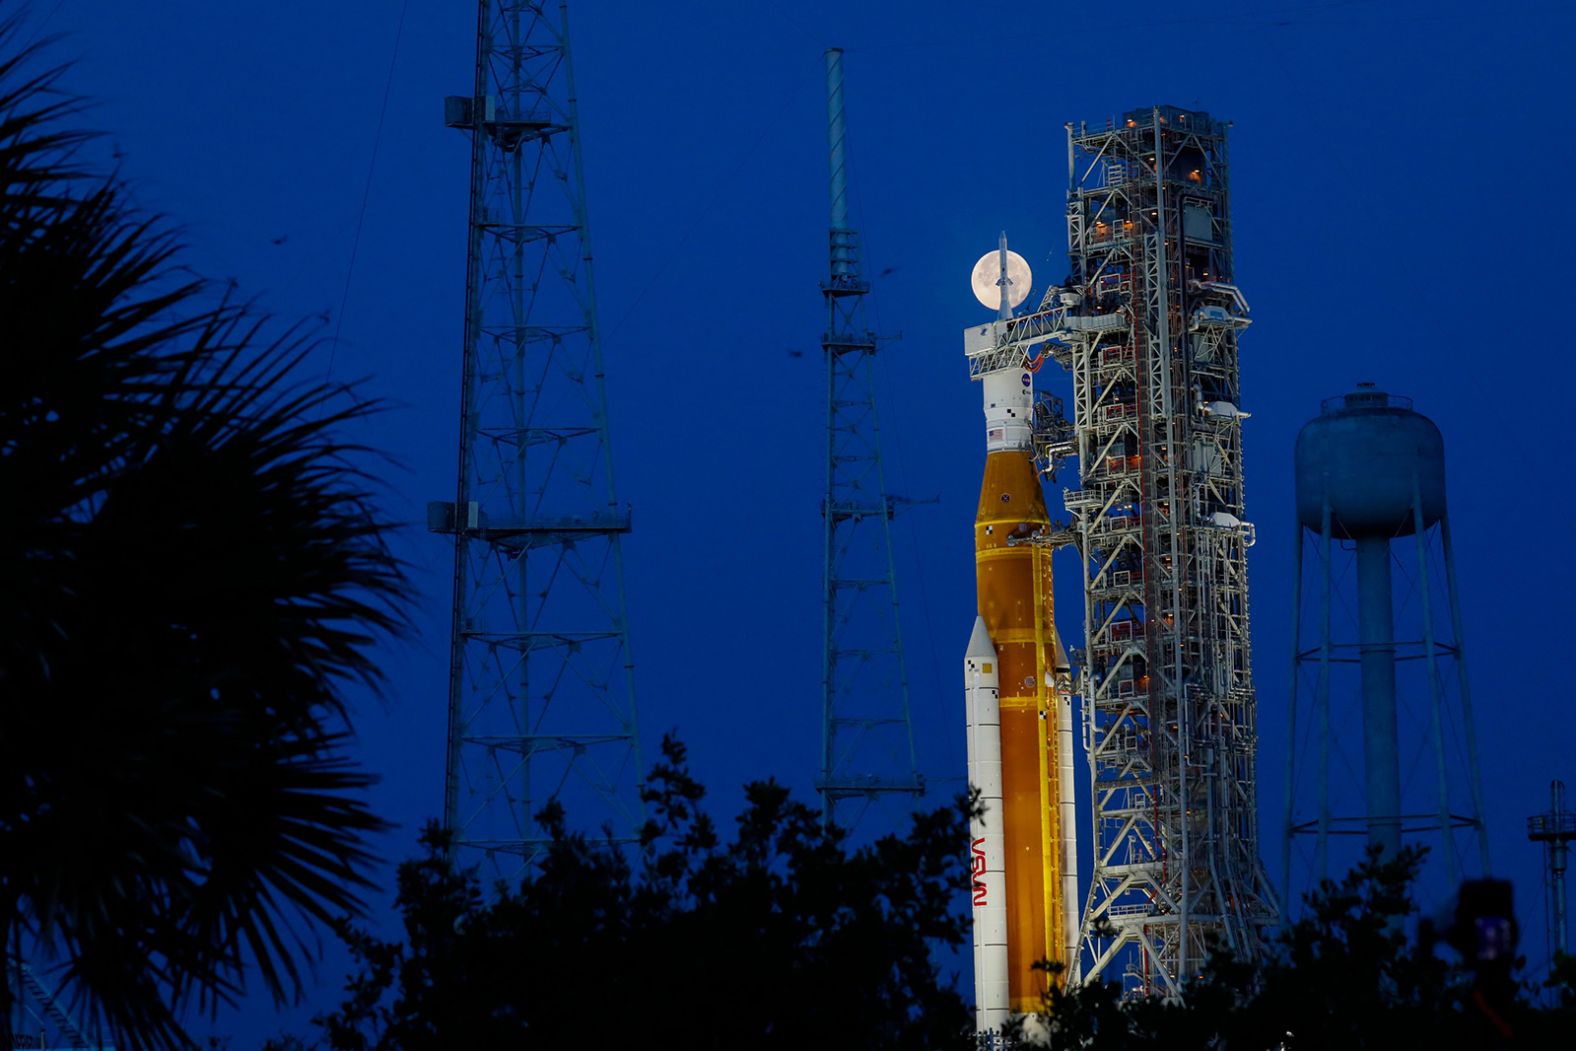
988	882
1069	827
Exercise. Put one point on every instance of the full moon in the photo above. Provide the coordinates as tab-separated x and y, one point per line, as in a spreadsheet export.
988	271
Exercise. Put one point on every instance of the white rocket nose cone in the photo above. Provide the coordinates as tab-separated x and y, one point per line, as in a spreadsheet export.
979	642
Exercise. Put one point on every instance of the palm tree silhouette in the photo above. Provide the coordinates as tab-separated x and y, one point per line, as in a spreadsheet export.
192	569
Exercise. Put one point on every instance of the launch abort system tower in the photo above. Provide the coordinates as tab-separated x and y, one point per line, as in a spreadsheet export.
1166	675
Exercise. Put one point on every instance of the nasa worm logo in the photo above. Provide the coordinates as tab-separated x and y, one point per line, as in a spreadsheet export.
977	871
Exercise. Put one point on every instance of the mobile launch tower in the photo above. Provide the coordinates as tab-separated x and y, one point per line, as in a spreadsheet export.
1166	674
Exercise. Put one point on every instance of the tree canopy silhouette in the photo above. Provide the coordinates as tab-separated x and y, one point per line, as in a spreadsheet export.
783	937
1345	974
191	568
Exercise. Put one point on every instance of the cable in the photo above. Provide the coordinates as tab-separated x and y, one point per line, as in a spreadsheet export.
366	189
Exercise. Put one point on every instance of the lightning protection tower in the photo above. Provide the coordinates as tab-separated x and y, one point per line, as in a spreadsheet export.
867	740
541	691
1166	674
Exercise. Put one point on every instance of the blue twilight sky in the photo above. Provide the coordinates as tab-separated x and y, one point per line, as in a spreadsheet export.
1399	210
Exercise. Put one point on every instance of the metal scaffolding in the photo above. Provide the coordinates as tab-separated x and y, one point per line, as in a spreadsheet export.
867	739
42	1019
1166	674
541	692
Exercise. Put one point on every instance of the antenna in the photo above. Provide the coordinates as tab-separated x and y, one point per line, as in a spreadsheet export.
1555	830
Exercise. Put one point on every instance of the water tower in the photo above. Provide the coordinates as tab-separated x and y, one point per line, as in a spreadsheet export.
1382	747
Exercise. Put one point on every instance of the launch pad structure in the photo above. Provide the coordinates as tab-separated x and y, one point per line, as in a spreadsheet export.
1146	324
1166	672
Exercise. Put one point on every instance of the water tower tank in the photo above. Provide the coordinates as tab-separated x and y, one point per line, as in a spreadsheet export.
1364	453
1369	472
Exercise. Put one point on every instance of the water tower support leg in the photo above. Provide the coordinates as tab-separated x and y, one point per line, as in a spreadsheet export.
1291	727
1322	849
1376	630
1468	726
1447	834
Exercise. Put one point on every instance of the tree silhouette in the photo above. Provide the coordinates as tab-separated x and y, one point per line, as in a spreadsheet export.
1344	975
191	567
784	937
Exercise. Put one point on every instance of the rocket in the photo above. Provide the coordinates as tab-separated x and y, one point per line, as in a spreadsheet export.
1023	847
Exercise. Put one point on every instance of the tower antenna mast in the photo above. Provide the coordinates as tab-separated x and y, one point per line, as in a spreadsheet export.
1555	830
541	706
867	738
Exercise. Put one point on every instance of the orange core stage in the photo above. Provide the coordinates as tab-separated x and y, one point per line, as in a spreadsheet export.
1015	600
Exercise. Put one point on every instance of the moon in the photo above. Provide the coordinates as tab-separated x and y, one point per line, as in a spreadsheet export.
988	271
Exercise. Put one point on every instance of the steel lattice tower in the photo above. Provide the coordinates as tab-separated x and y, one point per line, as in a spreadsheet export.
42	1016
1166	672
541	692
1556	830
867	739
